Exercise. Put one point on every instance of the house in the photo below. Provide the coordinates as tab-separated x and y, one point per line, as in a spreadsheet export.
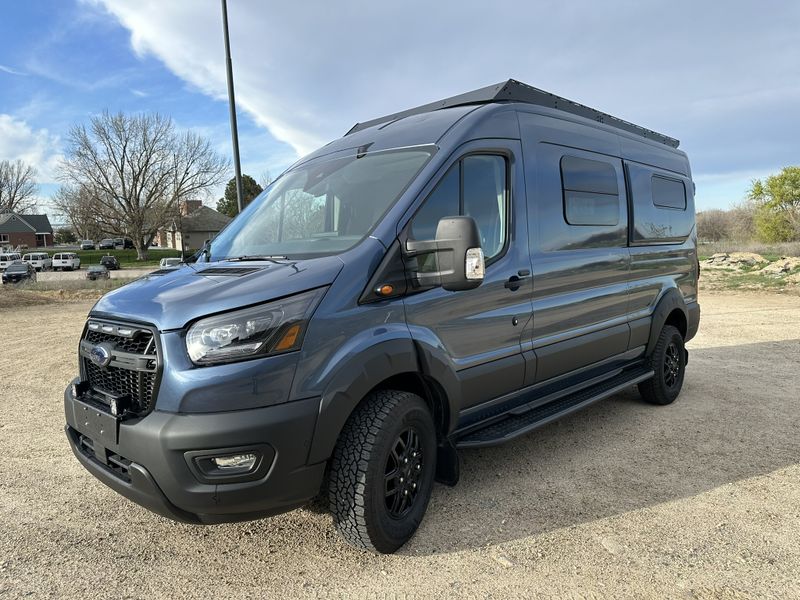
192	227
33	231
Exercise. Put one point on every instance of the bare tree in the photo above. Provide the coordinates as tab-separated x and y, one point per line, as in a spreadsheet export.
713	225
137	169
17	186
79	206
265	179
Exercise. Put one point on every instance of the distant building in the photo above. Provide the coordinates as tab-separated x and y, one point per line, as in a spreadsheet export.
33	231
194	225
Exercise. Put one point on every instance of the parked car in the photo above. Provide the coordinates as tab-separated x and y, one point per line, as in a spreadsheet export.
110	262
41	261
486	264
87	245
106	244
169	263
7	258
18	272
123	243
66	261
97	272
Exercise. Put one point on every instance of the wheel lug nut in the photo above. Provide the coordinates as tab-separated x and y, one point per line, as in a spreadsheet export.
414	486
405	460
401	480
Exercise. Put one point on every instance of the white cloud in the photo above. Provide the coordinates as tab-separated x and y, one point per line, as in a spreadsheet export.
308	70
11	71
37	147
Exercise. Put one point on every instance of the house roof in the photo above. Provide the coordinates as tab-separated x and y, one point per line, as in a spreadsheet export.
204	219
40	222
14	223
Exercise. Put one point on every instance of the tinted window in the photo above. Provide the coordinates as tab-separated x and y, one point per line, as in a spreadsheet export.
476	187
484	199
591	195
443	202
669	193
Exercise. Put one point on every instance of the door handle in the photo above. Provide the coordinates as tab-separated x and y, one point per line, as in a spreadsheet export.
515	281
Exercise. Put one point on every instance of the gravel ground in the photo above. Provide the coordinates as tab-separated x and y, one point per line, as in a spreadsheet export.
81	274
699	499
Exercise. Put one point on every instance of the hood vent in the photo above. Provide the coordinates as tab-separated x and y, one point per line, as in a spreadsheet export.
162	272
229	271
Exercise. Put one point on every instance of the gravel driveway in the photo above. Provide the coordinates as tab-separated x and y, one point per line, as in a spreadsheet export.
697	499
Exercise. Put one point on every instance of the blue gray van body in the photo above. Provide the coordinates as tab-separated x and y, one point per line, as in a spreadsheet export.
557	311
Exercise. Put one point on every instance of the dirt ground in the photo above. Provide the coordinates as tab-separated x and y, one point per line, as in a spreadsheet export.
700	499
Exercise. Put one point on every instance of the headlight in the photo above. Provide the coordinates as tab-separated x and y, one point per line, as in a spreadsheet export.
257	331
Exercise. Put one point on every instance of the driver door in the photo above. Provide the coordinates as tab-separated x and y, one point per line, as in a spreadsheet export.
480	330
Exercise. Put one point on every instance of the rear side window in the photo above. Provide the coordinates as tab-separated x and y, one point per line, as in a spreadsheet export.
590	191
668	193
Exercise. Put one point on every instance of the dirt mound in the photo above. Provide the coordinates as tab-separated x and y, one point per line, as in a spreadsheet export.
734	260
782	266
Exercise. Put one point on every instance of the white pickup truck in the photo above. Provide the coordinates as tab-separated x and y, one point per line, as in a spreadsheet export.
66	261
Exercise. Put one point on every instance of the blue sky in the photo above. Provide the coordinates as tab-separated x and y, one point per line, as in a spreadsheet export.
727	83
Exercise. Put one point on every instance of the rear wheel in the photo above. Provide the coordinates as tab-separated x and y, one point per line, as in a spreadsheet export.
382	471
668	362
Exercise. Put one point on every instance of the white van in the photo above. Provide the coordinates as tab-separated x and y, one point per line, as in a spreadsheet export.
7	258
40	261
66	261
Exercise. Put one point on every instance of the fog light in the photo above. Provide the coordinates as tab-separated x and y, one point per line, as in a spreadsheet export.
235	462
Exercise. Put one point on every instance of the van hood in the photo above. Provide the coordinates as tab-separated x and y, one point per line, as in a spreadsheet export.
169	299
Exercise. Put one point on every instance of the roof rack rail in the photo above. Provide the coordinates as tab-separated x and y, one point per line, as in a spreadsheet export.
516	91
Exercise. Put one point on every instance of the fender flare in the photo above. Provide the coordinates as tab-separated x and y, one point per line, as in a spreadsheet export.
362	372
352	381
669	301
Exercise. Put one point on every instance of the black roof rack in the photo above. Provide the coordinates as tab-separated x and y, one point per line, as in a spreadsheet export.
516	91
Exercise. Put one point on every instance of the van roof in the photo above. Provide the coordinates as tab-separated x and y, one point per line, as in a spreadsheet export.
516	91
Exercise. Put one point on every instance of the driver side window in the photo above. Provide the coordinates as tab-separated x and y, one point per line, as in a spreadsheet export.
476	187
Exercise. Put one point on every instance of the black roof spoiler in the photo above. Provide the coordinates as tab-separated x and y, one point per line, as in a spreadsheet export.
516	91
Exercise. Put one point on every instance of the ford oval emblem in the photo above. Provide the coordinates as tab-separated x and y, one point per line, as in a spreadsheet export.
100	355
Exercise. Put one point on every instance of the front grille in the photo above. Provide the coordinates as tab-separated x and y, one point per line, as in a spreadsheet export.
132	374
141	343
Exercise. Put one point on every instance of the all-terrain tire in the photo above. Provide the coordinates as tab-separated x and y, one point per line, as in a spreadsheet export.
370	491
668	361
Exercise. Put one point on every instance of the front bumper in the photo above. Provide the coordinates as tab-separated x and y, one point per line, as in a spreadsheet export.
149	460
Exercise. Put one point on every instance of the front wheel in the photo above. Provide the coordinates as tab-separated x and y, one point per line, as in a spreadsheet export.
668	362
382	471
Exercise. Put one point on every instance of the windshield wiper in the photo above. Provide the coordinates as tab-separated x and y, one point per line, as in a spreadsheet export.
254	257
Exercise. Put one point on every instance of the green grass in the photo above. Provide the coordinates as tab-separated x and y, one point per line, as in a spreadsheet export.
753	281
127	258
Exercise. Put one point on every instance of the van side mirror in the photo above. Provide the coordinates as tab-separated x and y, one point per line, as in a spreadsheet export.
454	260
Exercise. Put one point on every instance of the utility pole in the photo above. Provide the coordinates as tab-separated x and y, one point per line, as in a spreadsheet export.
232	105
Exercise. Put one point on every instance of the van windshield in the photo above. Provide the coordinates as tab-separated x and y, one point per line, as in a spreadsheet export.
322	207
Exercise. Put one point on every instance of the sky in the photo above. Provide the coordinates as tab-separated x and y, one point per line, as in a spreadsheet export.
724	82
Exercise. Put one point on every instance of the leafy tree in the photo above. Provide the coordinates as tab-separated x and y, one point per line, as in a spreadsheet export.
773	226
228	204
17	186
778	205
65	236
136	169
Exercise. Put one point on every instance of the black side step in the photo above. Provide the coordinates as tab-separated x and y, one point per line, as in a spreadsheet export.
514	425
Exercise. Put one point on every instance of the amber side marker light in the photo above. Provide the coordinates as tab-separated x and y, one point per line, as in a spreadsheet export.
384	290
289	338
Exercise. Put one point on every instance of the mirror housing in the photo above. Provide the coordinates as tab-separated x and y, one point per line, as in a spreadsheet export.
457	252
